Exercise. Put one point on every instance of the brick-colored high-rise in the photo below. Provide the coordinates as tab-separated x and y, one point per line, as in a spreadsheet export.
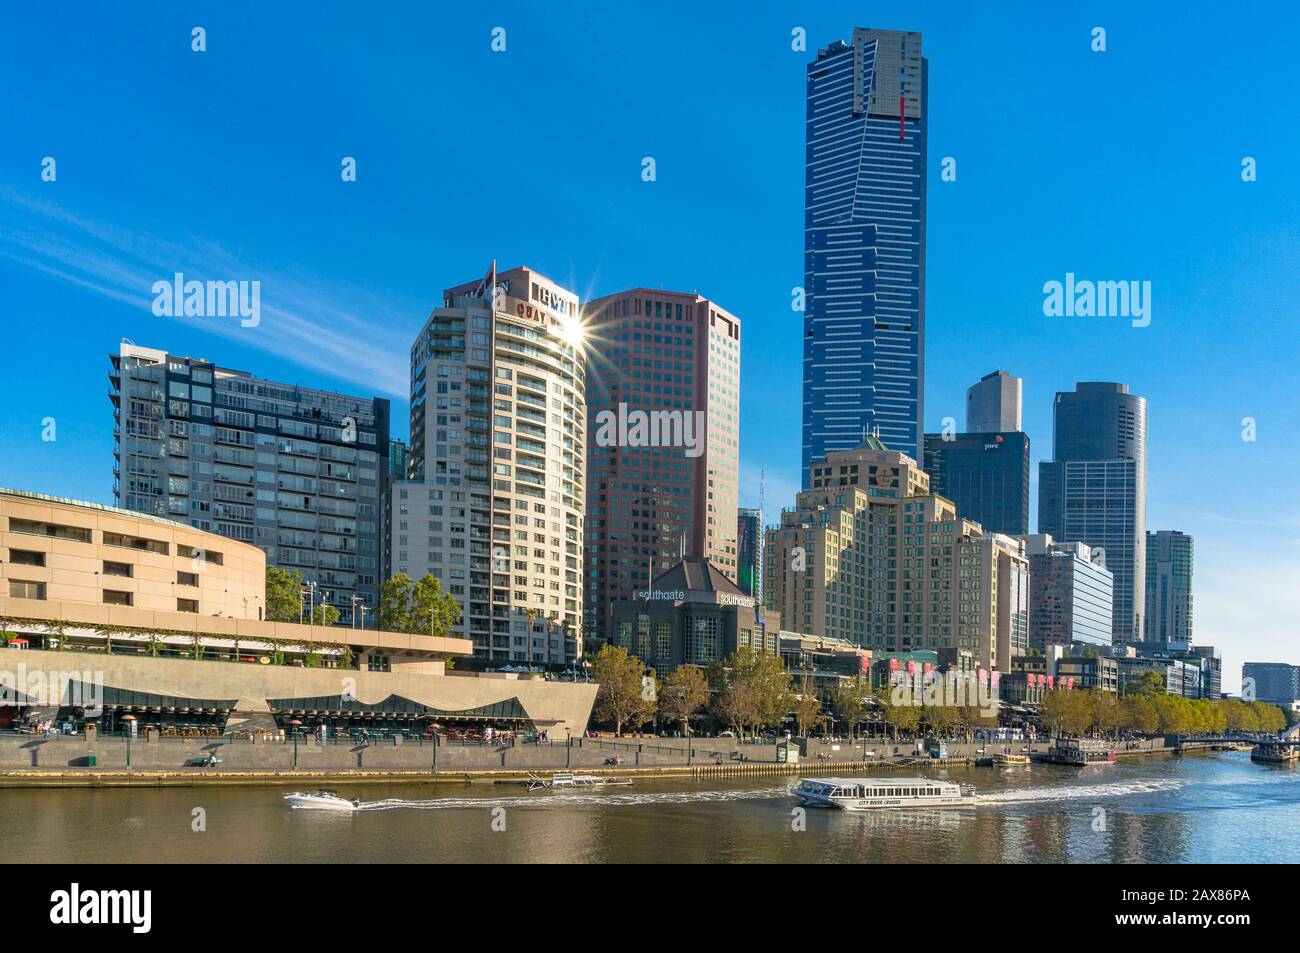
665	482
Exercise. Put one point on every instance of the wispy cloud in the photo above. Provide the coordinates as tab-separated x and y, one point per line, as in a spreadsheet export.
341	331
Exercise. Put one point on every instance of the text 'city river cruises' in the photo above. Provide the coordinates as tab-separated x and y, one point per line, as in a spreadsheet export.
865	794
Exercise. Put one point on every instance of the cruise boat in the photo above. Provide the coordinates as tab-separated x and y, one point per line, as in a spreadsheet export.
866	794
1004	760
565	779
1275	752
1080	752
324	799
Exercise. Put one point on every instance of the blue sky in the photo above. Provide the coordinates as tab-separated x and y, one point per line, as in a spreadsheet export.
1117	165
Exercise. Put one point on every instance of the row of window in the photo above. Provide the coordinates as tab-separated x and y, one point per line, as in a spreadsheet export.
81	534
27	589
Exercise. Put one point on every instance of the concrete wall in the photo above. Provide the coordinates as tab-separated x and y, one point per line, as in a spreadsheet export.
550	704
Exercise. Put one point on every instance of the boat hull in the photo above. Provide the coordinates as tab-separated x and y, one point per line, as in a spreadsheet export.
855	805
319	803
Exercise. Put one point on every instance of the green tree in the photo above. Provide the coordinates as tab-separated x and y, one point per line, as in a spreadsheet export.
433	610
682	693
283	594
901	716
849	700
806	707
621	698
736	707
395	604
1149	683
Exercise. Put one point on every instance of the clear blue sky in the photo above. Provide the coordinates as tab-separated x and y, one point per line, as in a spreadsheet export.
1116	165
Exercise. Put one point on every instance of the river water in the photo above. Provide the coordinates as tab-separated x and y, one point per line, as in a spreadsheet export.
1202	808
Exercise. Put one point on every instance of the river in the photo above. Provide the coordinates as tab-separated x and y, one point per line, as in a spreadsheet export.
1206	808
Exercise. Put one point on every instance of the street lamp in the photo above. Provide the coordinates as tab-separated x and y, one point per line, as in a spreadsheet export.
296	724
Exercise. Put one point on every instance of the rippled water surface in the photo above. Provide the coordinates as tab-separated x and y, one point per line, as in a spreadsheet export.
1205	808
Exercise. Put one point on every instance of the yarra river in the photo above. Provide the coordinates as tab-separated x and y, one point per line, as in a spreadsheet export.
1207	808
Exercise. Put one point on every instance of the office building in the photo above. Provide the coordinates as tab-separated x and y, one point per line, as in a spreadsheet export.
985	474
750	544
692	614
869	555
1072	595
1275	682
864	245
1094	490
1168	588
993	405
494	504
296	471
663	441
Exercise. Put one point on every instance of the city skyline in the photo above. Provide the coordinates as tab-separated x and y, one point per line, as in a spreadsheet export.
350	304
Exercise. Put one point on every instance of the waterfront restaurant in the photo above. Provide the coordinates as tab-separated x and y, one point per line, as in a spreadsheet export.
137	622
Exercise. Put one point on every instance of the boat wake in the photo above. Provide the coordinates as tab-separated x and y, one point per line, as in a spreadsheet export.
1076	792
551	800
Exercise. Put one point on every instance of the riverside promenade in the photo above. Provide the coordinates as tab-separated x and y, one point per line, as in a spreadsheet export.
72	761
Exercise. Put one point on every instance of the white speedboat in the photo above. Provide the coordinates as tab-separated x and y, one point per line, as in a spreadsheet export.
565	779
323	799
867	794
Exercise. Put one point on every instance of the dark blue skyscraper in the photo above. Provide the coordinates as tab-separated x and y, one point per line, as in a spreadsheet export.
864	245
985	474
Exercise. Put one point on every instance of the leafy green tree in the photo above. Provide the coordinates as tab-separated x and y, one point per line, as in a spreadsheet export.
849	700
736	707
421	608
1149	683
806	707
901	716
765	698
621	698
283	599
682	693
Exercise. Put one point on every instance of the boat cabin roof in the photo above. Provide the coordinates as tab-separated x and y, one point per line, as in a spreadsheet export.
878	782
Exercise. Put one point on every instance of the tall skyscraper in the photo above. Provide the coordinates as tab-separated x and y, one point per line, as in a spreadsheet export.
659	359
750	539
1275	682
494	504
1094	489
1169	587
985	474
296	471
864	245
993	405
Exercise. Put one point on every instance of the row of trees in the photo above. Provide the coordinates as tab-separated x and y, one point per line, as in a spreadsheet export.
421	608
1093	711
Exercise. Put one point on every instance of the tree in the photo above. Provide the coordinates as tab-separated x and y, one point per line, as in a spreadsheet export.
1149	683
433	610
684	692
849	701
421	608
769	683
807	707
283	594
736	706
621	696
902	716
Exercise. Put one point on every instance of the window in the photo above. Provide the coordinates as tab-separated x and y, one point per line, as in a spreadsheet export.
203	555
136	542
187	605
26	557
115	597
187	579
35	528
118	569
20	589
377	663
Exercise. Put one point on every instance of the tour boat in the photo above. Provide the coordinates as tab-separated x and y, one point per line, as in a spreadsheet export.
1011	760
1275	752
329	800
565	779
1080	752
865	794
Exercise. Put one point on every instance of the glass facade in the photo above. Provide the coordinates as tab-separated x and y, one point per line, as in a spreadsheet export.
864	245
986	475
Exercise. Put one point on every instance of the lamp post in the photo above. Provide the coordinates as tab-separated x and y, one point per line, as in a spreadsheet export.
131	719
294	726
568	745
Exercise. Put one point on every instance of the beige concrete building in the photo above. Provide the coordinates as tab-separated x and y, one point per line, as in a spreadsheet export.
494	507
171	622
869	555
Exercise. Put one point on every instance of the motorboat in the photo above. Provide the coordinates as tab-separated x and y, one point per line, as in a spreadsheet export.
565	779
864	794
322	799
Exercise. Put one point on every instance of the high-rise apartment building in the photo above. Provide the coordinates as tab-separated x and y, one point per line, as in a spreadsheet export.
1169	588
1071	597
993	405
985	474
1094	489
751	543
870	555
663	441
494	504
864	244
299	472
1275	682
